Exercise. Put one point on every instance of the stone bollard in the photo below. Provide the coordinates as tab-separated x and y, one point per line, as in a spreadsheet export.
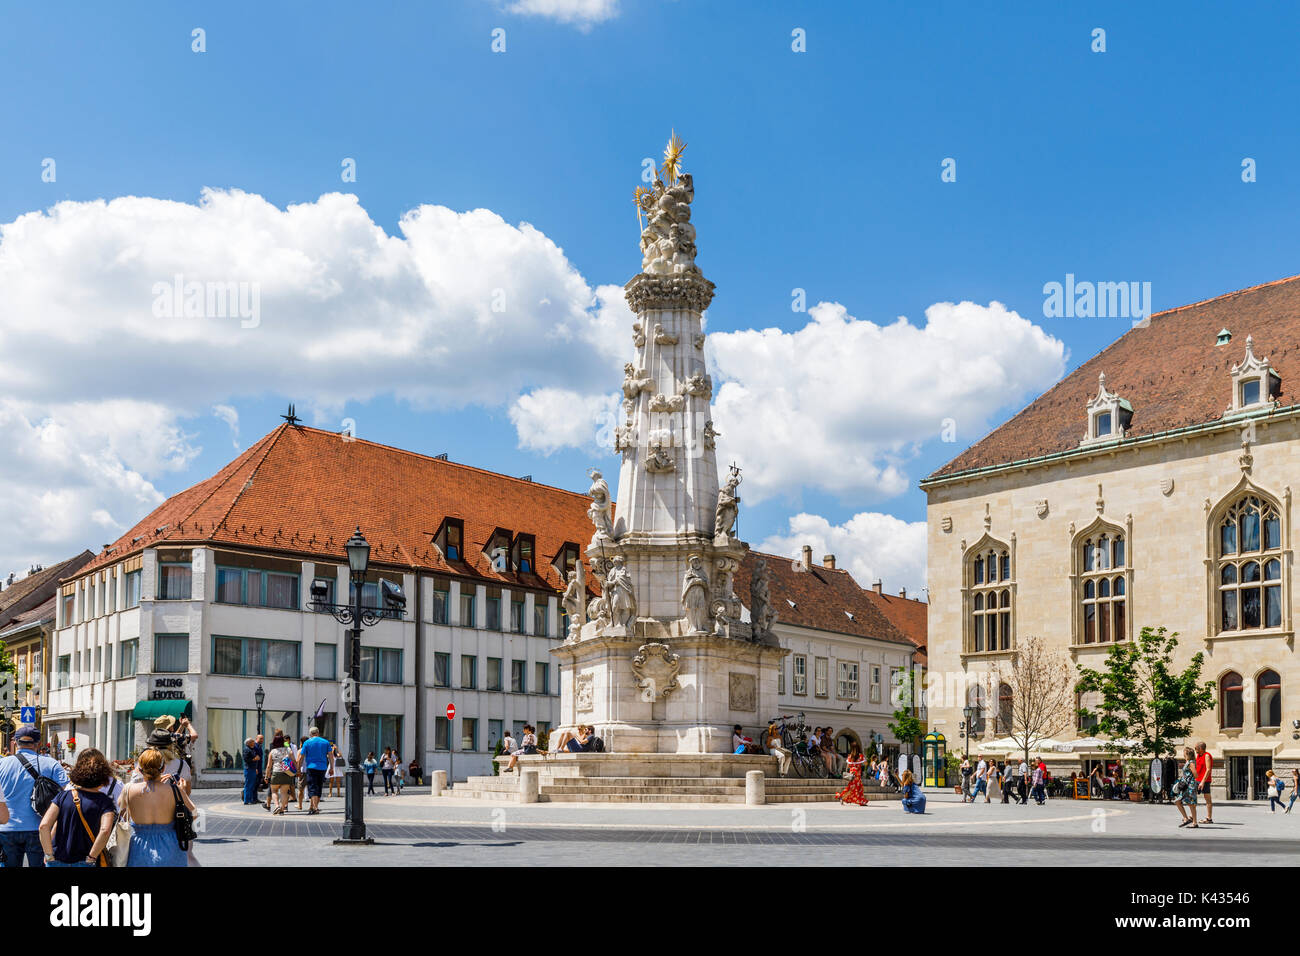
438	782
528	786
755	788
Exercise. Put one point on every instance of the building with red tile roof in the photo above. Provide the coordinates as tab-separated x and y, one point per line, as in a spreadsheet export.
1152	486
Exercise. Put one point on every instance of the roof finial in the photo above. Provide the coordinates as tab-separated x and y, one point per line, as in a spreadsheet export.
291	418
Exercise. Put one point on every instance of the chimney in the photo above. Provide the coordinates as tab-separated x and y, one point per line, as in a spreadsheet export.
828	561
902	592
878	586
807	557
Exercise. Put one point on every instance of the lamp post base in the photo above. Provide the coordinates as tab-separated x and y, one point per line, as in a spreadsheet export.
363	841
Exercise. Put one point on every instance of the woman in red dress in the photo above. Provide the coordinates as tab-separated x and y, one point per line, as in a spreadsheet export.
853	792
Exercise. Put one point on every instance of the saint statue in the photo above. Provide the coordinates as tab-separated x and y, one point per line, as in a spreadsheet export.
618	593
600	511
728	506
575	603
761	613
695	596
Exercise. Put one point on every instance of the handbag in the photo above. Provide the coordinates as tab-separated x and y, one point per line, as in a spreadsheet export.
103	858
182	821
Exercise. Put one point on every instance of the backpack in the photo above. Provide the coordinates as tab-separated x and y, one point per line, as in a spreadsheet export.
44	790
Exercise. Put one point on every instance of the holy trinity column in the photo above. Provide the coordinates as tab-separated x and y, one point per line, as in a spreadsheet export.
666	556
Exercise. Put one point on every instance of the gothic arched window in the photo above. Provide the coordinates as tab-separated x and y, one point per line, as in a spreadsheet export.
1269	707
1232	709
990	599
1249	567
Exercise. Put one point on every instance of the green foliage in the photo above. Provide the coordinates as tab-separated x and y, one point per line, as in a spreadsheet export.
1143	699
906	727
496	752
907	730
952	768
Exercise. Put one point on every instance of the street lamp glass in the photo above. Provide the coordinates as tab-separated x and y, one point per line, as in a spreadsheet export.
969	713
260	696
358	550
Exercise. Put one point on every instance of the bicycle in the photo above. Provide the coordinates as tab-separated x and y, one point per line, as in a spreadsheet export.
805	765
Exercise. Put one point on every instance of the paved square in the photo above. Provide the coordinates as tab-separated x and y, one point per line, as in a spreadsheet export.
417	830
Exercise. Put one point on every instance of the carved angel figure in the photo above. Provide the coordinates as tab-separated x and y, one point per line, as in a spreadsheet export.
695	596
659	462
634	383
638	335
710	435
663	337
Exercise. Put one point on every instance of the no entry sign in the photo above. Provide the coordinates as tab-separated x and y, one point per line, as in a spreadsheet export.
451	711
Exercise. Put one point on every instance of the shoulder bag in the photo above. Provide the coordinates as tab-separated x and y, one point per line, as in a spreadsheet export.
103	859
183	821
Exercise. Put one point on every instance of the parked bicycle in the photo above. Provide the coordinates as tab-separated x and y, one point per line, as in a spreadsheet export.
794	737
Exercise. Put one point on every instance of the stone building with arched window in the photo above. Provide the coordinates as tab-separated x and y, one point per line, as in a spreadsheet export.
1151	486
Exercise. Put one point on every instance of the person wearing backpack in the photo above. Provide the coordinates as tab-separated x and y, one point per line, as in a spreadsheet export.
28	785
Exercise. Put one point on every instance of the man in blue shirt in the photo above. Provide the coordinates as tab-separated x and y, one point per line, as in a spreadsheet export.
21	835
316	757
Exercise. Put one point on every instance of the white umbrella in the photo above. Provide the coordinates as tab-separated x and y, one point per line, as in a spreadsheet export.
1087	743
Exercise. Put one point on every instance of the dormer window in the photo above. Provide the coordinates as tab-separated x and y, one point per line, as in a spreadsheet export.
1250	392
522	553
450	539
1254	381
1108	415
498	551
566	560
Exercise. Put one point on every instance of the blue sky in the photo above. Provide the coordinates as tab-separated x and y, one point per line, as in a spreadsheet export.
817	170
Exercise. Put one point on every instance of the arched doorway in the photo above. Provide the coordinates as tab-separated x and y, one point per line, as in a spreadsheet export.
844	740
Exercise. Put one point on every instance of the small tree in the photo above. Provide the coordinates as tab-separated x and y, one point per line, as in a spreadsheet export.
906	727
1143	700
1042	693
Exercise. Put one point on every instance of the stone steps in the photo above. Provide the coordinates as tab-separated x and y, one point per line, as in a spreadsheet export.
564	789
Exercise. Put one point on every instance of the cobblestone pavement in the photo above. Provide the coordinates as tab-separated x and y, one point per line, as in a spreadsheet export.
416	830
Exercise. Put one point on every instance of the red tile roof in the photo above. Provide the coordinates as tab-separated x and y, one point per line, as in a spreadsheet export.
824	598
1172	373
36	588
301	491
908	615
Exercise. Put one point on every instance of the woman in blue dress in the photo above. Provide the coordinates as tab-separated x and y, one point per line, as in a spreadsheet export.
1185	790
913	797
150	806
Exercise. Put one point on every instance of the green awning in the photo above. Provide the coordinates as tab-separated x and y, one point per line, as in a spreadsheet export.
152	709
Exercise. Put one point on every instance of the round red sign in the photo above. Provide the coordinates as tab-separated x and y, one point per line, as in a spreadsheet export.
451	711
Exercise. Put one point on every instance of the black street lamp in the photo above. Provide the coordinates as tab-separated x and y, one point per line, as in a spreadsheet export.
969	713
353	613
259	695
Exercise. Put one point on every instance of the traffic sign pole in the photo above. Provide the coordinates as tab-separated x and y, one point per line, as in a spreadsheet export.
451	743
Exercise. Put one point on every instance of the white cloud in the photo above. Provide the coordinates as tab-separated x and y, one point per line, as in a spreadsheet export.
548	419
230	415
842	404
581	13
461	308
869	545
67	481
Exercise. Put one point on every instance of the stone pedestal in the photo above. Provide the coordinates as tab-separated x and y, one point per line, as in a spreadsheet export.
680	694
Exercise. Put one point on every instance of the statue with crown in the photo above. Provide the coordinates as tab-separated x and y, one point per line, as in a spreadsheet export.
661	658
